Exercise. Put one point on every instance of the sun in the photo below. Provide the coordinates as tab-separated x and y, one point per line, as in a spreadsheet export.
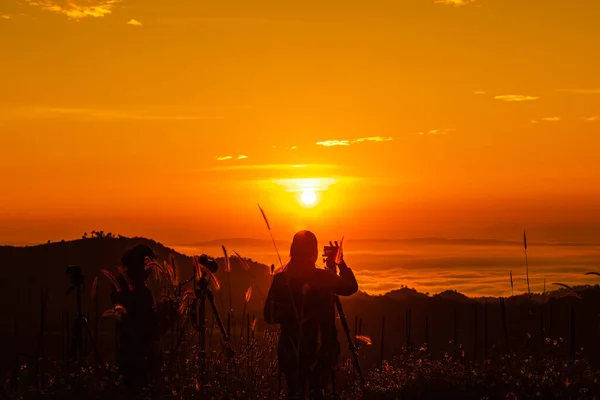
308	197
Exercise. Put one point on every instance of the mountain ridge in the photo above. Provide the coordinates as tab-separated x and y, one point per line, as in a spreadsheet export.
249	242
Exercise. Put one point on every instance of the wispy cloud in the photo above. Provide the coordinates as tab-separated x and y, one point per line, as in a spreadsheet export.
4	16
593	118
479	92
138	113
373	139
237	20
272	167
225	158
134	22
76	9
331	143
437	132
515	97
533	121
551	119
455	3
580	91
299	185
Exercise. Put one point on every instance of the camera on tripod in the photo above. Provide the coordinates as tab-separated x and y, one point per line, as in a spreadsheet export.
208	263
74	272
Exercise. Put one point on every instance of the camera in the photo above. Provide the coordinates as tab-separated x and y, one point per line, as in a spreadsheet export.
74	272
330	251
208	263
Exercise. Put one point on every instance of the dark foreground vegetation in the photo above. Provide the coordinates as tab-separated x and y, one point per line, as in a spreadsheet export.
410	345
250	375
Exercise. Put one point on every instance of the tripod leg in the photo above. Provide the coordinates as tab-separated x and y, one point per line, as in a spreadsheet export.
75	340
202	336
333	388
211	300
93	342
228	348
202	324
338	304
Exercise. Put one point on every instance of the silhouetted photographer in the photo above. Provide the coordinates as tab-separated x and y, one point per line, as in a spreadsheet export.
302	300
138	327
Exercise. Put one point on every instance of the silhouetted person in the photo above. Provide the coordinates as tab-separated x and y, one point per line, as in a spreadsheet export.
302	300
138	327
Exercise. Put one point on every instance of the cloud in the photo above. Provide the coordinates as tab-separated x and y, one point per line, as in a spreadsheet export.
479	92
455	3
580	91
551	119
4	16
331	143
238	20
437	132
299	185
76	9
373	139
515	97
225	158
273	167
533	121
138	113
593	119
134	22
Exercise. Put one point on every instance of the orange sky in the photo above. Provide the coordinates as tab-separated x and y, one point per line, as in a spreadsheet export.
466	119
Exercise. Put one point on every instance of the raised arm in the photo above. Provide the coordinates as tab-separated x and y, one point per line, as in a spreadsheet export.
346	284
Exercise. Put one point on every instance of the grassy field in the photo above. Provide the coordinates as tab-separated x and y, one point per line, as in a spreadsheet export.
447	346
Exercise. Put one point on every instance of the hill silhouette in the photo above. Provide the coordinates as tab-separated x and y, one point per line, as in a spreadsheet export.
442	319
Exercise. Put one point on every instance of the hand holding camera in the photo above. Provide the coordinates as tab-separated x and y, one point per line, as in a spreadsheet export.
334	256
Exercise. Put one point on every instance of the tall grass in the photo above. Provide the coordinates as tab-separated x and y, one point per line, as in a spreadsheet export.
526	262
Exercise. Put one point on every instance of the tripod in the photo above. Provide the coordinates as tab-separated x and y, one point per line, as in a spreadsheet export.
331	262
203	292
80	324
198	317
